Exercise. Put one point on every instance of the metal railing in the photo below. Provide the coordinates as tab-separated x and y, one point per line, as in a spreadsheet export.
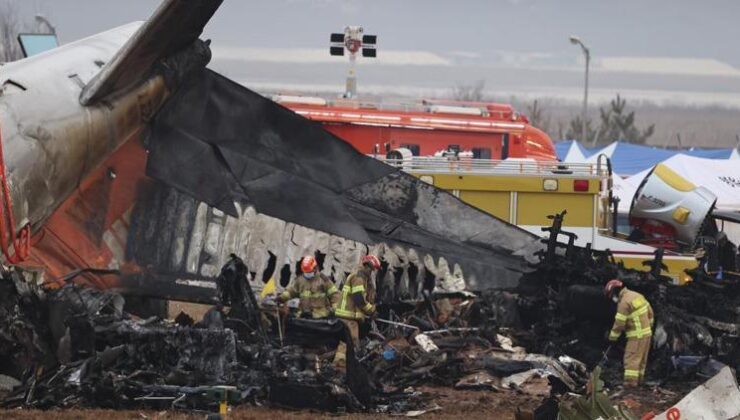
417	107
466	165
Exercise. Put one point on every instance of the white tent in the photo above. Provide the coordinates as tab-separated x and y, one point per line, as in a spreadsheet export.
637	178
720	176
571	151
625	191
574	154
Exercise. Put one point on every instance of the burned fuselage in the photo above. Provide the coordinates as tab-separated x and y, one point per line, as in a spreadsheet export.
228	171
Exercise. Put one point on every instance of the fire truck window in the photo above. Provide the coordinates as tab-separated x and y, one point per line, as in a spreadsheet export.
481	153
505	146
413	147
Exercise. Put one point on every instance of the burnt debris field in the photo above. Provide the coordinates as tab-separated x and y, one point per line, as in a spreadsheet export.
79	347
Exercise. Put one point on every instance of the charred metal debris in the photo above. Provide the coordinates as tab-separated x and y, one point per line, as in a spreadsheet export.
564	311
77	346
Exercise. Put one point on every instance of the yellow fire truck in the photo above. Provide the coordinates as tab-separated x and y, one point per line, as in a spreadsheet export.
526	192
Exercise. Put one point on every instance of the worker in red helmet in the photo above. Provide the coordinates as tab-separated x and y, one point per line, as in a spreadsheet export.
316	291
634	317
356	304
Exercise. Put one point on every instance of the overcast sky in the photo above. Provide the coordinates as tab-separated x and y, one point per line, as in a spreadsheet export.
675	28
478	35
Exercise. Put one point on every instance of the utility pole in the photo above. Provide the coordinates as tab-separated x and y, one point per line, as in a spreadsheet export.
353	40
587	54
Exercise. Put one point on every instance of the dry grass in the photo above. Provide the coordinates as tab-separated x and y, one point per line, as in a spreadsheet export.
454	404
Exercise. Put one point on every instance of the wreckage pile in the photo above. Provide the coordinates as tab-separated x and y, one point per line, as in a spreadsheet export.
563	311
468	358
76	346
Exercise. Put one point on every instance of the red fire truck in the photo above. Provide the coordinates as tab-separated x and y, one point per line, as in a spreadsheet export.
486	130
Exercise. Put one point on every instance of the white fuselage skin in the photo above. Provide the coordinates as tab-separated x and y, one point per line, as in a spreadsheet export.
50	141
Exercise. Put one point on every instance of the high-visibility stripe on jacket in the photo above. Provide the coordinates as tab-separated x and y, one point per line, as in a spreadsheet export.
634	316
317	295
356	285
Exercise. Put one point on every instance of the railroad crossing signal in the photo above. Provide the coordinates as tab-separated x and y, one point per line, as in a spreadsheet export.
353	40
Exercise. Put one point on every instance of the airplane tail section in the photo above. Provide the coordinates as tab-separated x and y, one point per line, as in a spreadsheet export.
174	26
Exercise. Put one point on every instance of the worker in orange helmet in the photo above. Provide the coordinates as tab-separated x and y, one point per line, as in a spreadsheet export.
634	317
317	292
356	304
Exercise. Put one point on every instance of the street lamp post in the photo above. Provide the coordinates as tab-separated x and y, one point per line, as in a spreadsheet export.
587	54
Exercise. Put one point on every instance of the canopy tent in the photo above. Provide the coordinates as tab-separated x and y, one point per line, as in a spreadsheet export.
713	153
625	191
571	151
629	159
720	176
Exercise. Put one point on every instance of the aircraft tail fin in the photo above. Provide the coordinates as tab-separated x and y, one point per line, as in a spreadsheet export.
175	25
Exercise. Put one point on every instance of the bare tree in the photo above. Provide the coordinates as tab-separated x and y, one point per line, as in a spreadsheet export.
616	124
10	26
575	129
537	116
469	92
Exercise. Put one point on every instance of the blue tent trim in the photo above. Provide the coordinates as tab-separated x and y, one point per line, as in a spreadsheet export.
629	159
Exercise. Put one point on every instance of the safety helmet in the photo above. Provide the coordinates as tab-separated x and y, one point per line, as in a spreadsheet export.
308	264
372	260
612	285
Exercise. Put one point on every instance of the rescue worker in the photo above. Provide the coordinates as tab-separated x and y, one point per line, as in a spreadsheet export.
317	292
356	304
635	318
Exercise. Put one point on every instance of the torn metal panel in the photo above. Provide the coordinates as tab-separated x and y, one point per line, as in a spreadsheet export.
201	238
479	380
168	286
198	241
231	148
153	40
52	143
716	399
48	158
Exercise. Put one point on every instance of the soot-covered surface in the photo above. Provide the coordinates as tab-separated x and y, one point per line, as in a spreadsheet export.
231	148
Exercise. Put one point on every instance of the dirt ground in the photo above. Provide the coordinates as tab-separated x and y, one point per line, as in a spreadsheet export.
453	404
